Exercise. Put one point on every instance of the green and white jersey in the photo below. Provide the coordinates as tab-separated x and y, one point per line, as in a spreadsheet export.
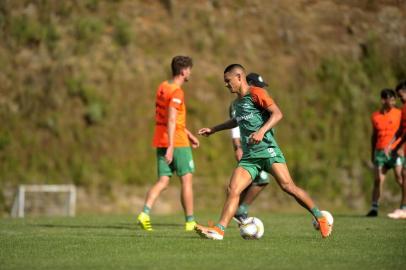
251	114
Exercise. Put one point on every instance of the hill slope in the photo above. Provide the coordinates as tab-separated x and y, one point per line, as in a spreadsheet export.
77	84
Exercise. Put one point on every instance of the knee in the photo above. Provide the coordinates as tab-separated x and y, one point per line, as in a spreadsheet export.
232	191
163	184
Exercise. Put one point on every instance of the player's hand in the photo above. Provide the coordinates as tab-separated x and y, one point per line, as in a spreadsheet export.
205	132
194	141
169	155
387	151
256	137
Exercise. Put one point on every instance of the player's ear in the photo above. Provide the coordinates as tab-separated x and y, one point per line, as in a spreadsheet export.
183	71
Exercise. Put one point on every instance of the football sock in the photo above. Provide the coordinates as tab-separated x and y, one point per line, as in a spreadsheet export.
221	227
316	212
403	207
375	206
189	218
146	209
242	209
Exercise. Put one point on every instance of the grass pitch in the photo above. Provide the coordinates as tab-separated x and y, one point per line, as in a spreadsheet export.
115	242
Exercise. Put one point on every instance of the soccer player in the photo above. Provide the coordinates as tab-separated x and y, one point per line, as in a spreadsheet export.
262	180
400	150
385	124
172	141
256	114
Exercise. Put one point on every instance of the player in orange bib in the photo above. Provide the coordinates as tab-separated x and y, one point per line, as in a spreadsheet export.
172	141
385	123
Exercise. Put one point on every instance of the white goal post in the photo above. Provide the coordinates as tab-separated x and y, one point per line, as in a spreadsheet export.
19	202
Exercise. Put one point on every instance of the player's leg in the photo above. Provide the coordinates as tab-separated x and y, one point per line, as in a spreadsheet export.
397	170
240	179
184	165
403	201
381	161
282	176
152	194
401	212
379	173
247	198
164	174
187	201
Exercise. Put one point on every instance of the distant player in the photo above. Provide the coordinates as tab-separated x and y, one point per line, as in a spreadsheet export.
255	114
400	150
385	124
262	180
172	141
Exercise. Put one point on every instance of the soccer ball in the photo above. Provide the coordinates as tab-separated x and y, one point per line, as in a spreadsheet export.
329	217
252	228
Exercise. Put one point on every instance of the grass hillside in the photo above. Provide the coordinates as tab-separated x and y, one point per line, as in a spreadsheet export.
77	83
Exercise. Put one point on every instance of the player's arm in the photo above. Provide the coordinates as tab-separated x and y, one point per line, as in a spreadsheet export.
172	114
275	116
232	123
374	138
399	144
193	140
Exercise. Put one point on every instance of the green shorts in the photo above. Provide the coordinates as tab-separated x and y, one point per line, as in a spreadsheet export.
254	166
381	160
182	162
261	179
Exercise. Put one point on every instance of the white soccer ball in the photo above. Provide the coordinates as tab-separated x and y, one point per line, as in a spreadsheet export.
329	217
252	228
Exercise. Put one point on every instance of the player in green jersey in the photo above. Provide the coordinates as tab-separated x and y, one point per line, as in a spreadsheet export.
262	180
256	115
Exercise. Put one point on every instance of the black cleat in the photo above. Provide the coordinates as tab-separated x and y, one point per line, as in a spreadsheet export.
240	218
372	213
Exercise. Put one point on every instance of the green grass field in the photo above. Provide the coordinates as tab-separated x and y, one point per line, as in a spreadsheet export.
115	242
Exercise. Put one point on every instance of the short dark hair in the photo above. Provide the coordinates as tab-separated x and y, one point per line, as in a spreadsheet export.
387	93
401	86
232	67
180	62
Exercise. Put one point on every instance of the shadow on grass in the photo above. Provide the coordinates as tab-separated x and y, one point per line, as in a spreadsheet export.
84	226
121	226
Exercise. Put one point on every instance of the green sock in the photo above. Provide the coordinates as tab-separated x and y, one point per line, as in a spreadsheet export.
221	227
146	209
375	206
190	218
403	207
242	209
316	212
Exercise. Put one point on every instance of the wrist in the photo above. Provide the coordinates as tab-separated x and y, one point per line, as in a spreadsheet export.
262	131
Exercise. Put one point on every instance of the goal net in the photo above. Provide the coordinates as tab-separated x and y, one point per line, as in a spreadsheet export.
44	200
